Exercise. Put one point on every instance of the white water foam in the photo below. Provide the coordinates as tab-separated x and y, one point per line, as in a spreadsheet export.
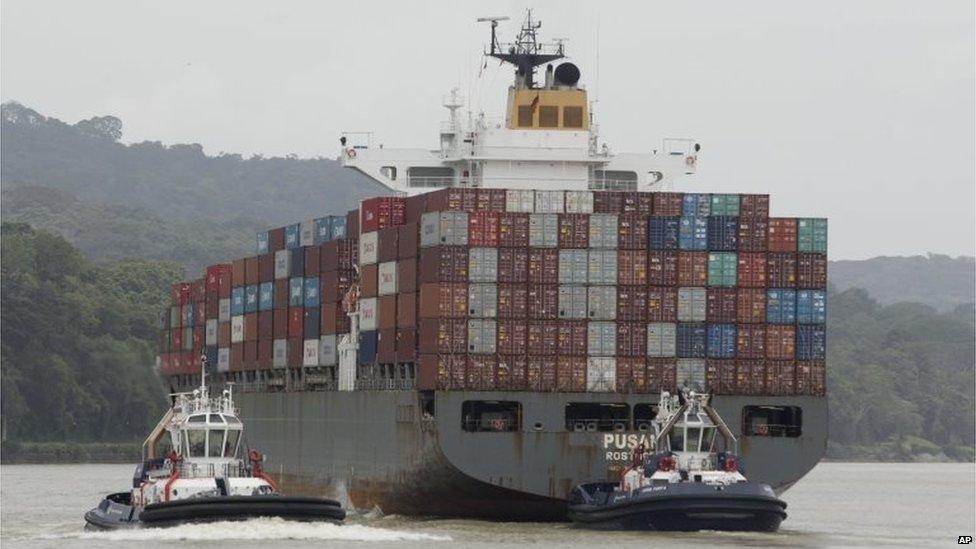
259	529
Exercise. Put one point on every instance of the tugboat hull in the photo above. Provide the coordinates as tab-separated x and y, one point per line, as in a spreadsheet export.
680	507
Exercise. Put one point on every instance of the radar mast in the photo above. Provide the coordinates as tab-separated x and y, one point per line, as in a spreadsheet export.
526	52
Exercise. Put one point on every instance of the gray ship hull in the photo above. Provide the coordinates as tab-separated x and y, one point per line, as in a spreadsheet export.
376	448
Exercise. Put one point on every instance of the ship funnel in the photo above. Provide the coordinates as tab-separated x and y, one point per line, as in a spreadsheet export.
567	74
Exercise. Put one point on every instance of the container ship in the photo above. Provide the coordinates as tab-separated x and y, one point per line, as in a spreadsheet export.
497	328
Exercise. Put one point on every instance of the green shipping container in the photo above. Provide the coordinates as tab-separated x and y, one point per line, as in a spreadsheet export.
811	235
725	204
722	268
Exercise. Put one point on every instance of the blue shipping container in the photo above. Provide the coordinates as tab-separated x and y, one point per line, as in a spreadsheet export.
338	227
266	296
293	236
811	342
781	306
311	322
263	242
723	233
323	229
237	301
296	292
368	342
188	315
251	298
811	307
696	204
662	233
297	261
692	339
693	233
312	291
721	341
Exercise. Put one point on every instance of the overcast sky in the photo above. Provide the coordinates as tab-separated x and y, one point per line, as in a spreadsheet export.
862	112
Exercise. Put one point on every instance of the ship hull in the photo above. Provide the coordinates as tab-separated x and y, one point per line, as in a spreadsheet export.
380	449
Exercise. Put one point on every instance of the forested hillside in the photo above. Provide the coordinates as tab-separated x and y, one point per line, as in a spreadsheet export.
937	280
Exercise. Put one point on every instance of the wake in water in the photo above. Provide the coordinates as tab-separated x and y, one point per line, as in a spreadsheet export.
259	529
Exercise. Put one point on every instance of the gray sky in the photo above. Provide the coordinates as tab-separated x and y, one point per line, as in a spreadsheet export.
862	112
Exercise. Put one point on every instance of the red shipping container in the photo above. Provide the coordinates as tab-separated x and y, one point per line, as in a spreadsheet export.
811	271
313	262
751	341
386	346
751	307
780	342
250	355
720	304
571	338
443	264
574	230
752	270
483	229
449	300
250	327
542	301
381	212
667	204
214	274
543	266
745	382
782	234
513	230
281	293
754	205
638	203
632	303
335	284
662	374
406	310
176	339
513	265
631	339
334	319
662	268
408	245
265	325
632	231
607	202
279	323
387	244
818	377
265	354
223	334
662	304
198	290
251	272
490	200
692	268
779	377
296	317
199	334
541	373
571	374
753	234
407	275
368	280
265	267
720	376
631	267
512	337
180	293
237	274
542	338
406	344
511	372
803	377
512	300
414	206
338	255
224	284
236	357
200	314
442	335
386	320
451	199
631	375
781	270
480	373
276	239
352	223
296	351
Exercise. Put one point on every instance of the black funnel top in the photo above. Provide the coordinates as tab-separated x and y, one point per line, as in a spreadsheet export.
567	74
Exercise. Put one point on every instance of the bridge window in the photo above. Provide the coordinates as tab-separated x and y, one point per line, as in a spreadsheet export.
430	176
389	172
573	117
596	416
614	180
525	113
643	415
548	116
772	421
491	415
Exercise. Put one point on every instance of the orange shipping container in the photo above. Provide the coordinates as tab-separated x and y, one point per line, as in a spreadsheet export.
692	268
632	267
780	342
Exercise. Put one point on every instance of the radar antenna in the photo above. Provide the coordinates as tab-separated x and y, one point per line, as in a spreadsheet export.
526	52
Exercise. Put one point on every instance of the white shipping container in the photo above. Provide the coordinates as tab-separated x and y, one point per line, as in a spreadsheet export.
483	300
572	302
601	303
310	356
549	202
387	274
237	329
328	354
601	338
444	228
691	373
543	230
282	264
481	336
573	266
279	353
223	359
367	313
519	200
692	304
579	202
602	267
211	334
223	310
306	234
662	339
483	265
603	231
347	368
368	247
601	374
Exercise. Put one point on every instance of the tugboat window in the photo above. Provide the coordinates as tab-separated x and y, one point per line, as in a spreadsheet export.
772	421
491	416
216	443
643	415
197	438
596	416
693	441
230	444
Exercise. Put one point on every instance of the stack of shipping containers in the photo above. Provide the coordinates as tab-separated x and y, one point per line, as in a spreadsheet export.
494	289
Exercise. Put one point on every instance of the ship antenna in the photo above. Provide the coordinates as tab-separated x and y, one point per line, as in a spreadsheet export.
526	52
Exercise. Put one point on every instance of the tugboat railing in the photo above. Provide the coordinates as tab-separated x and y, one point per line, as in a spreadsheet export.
192	469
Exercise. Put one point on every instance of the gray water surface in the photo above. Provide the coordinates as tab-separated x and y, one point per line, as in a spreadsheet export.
836	505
